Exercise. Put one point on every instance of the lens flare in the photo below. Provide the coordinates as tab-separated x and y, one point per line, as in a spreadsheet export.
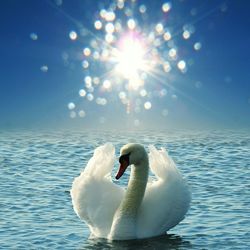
131	59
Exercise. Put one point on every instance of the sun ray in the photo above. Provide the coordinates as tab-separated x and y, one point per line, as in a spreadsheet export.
127	51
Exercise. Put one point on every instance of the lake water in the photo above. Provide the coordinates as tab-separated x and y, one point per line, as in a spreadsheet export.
37	170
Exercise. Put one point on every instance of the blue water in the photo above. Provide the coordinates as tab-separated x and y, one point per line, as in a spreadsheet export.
37	170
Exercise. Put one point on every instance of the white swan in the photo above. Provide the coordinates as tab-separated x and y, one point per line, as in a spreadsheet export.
146	209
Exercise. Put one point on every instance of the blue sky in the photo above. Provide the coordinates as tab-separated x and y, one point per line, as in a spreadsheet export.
213	93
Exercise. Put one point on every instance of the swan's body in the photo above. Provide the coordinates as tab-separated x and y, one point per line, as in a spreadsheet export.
145	209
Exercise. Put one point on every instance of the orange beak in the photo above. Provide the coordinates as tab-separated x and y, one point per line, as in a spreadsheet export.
124	163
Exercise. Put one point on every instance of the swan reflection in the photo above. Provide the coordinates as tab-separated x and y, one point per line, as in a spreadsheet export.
168	241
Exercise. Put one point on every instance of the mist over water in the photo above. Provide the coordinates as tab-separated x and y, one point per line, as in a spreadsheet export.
37	170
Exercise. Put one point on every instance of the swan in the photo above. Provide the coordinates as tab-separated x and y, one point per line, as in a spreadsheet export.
145	209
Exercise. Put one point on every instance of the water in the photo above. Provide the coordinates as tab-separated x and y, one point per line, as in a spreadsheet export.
37	170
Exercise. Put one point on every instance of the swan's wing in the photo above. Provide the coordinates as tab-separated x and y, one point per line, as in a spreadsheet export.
95	197
166	200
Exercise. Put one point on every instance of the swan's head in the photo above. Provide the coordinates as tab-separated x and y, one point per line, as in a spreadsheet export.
131	153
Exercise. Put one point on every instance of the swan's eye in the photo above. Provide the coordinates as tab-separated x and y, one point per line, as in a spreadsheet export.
124	158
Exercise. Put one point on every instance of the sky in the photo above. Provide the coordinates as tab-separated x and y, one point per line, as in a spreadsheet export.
44	64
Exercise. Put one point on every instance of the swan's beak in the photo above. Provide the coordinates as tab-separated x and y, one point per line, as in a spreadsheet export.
124	163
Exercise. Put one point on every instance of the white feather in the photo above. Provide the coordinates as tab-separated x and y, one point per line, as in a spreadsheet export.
95	197
166	200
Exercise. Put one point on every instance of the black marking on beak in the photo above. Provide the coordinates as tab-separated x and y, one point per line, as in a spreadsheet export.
124	158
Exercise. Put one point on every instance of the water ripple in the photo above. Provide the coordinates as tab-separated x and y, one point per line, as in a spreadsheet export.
37	170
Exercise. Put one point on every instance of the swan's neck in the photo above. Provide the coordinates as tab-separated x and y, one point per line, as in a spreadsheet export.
135	191
124	222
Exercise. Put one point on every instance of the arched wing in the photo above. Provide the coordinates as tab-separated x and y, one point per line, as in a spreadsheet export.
166	200
95	197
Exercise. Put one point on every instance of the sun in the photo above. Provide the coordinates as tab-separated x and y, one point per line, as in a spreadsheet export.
130	59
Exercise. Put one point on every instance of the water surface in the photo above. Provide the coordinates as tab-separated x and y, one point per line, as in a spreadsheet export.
37	170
